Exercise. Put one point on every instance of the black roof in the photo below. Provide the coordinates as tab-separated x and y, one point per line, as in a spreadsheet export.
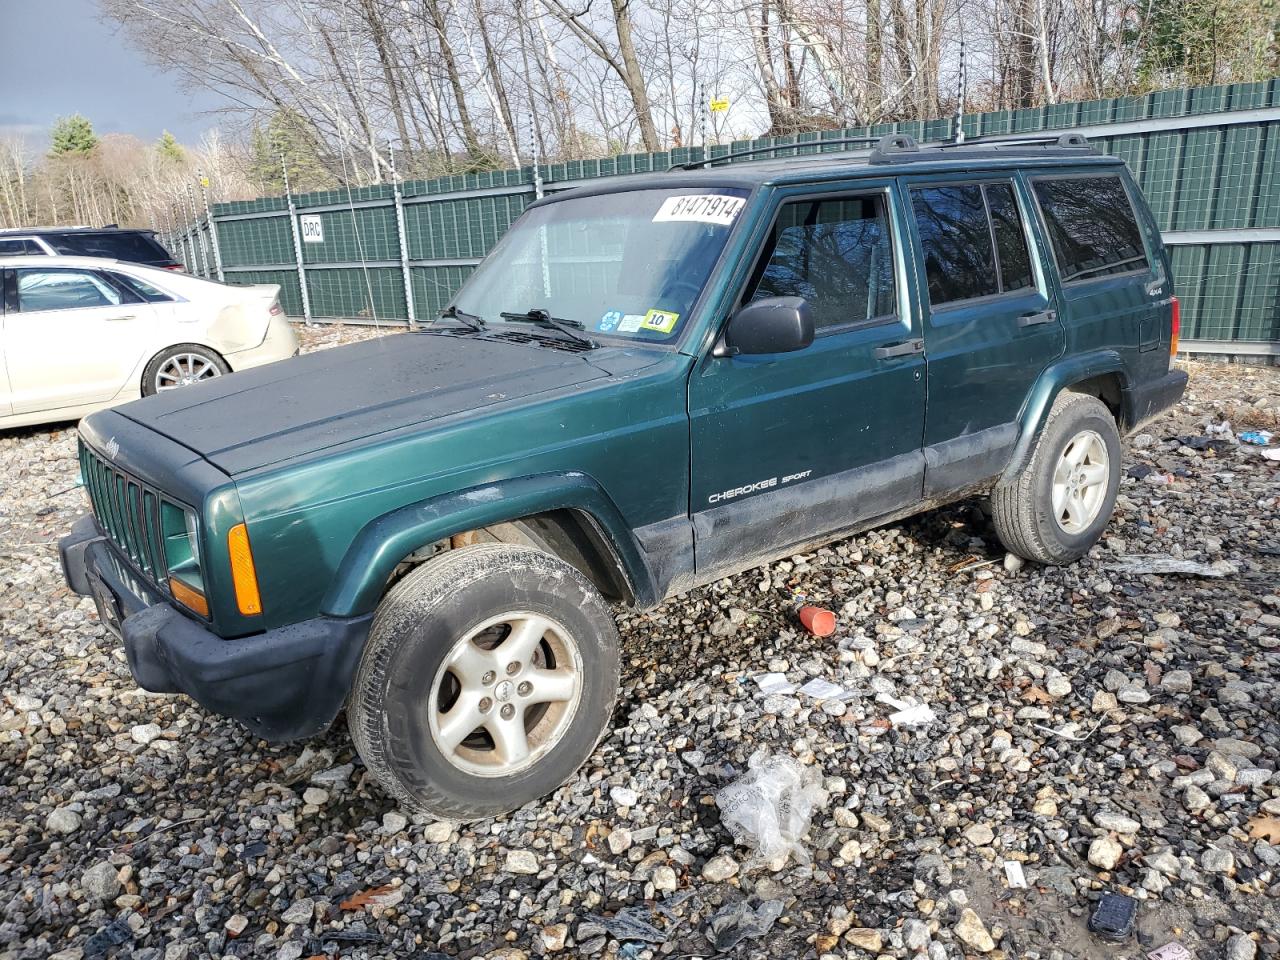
36	231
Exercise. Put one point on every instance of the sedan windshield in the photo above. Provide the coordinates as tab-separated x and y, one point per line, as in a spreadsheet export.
627	264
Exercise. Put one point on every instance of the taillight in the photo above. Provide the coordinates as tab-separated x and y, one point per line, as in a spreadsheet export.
276	309
1175	325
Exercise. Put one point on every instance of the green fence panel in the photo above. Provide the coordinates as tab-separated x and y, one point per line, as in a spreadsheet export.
1217	177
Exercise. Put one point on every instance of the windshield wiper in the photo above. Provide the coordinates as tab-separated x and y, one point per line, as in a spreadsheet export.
477	324
543	319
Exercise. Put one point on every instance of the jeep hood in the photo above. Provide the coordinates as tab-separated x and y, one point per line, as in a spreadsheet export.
318	400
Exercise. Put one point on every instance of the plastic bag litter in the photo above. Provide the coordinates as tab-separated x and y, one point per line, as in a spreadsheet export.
1257	438
631	923
769	807
733	923
1161	564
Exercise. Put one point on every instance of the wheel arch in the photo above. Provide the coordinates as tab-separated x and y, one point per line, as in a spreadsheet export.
566	515
156	355
1100	374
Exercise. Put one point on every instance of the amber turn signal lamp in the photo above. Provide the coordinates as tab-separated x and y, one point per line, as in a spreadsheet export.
243	575
189	597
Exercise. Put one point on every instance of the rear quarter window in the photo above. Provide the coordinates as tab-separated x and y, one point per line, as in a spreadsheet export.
125	245
1092	226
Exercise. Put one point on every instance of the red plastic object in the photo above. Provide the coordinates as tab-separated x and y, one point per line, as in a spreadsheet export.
818	621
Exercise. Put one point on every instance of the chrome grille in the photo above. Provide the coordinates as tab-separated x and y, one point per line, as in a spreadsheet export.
128	512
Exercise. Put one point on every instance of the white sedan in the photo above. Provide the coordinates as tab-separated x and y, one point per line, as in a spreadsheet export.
81	333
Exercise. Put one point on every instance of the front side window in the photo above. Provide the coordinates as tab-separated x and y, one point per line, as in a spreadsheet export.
837	254
629	264
1091	225
63	290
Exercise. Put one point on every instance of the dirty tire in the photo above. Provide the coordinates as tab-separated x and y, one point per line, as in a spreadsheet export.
1023	510
415	628
164	356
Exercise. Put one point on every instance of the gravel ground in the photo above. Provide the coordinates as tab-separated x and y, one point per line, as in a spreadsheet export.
1103	729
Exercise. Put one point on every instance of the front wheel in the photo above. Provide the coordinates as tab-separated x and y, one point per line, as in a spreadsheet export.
488	677
1057	509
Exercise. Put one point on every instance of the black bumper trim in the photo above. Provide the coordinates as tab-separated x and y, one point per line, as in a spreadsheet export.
1144	400
284	684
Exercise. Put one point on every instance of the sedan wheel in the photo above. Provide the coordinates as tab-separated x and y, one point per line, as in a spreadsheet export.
184	369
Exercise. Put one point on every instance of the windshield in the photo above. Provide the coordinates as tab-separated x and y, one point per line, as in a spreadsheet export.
627	264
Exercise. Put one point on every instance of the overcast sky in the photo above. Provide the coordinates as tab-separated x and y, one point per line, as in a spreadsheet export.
57	58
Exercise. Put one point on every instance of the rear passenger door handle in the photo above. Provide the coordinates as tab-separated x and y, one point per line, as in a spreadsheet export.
904	349
1035	319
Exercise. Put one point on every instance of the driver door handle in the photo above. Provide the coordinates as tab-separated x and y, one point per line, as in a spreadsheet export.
904	349
1035	319
123	316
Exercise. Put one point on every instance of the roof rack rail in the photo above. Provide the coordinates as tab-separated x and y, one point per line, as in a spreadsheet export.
890	151
755	151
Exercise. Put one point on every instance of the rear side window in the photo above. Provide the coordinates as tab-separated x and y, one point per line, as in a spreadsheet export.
837	254
144	290
63	290
973	240
19	248
1091	225
124	245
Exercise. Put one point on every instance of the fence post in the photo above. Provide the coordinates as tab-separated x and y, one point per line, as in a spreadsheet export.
406	273
297	244
213	226
180	238
195	220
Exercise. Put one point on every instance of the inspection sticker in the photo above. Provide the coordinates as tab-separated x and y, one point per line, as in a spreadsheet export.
715	208
664	321
631	323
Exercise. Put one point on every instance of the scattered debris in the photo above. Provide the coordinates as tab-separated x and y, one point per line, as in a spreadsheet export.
1265	828
631	923
1014	876
735	922
1115	917
1256	438
1163	564
771	683
821	689
114	934
769	807
818	620
1170	951
907	714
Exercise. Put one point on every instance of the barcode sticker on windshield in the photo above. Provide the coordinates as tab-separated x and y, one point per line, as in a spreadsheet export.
701	207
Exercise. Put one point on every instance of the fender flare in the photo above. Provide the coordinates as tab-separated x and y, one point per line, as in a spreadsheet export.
1055	378
386	540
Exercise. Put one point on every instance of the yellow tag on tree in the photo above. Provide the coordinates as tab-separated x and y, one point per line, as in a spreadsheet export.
719	104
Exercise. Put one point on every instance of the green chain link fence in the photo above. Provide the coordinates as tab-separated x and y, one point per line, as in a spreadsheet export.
1207	158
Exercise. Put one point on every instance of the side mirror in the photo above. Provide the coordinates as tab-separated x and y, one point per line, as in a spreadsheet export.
772	325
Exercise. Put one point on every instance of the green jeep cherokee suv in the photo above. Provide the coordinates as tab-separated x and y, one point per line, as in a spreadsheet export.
650	383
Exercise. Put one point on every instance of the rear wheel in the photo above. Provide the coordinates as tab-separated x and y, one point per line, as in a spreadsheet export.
1057	509
180	366
487	680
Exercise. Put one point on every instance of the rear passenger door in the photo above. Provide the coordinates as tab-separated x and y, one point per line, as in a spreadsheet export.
990	326
1110	290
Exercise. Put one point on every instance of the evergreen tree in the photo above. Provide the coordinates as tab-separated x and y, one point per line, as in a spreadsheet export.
288	135
169	148
72	136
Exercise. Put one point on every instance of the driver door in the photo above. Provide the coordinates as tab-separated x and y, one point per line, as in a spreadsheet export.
796	447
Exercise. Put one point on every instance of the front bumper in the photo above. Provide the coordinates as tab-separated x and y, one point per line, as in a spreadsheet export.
1144	400
284	684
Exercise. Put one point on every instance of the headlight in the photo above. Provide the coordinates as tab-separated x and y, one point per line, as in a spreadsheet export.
181	531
